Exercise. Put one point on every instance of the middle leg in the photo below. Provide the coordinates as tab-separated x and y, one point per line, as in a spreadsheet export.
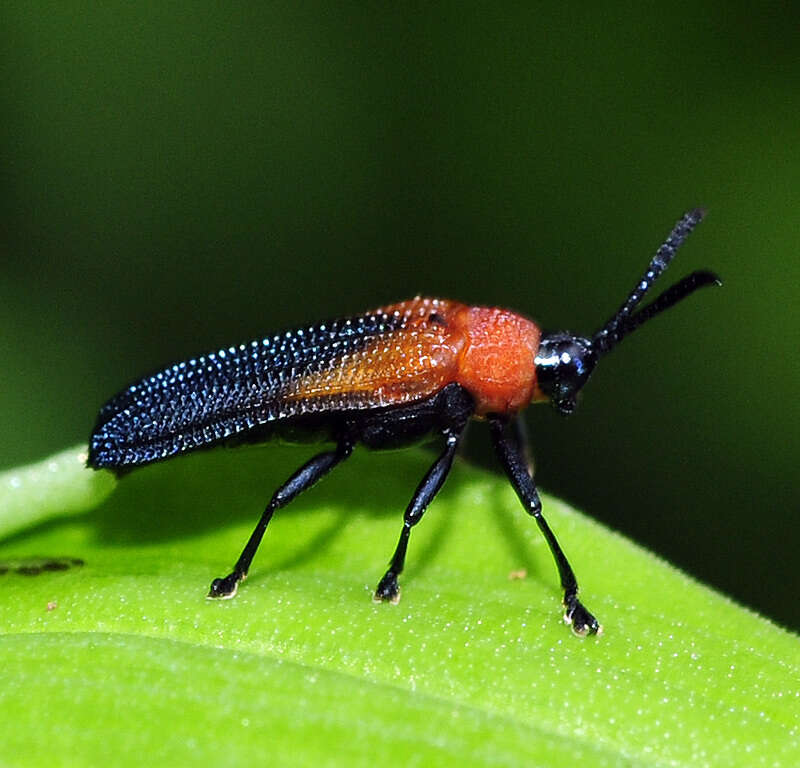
388	588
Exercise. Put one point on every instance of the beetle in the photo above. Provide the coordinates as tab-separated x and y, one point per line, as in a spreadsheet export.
386	379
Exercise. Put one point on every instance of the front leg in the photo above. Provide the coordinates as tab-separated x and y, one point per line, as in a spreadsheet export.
512	454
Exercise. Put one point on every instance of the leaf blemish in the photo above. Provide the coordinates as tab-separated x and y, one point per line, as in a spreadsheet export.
33	566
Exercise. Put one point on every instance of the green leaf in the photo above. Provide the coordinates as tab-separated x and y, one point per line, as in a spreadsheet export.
122	659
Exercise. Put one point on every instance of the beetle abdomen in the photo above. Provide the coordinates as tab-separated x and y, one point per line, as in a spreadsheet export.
390	356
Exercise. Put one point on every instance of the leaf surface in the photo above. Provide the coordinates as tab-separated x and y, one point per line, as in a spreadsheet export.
123	656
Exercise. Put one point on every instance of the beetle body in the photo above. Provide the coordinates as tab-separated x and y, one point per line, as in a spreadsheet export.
390	357
387	378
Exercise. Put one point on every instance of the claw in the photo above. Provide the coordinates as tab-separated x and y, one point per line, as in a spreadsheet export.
224	589
388	591
583	623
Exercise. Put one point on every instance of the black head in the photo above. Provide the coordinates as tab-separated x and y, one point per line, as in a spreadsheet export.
565	361
563	365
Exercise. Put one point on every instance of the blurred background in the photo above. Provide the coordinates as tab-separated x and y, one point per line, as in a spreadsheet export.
180	176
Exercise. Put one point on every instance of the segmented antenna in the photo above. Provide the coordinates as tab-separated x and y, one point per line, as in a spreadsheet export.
624	320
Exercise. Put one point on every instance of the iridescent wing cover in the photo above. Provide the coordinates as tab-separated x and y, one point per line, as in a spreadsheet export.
390	356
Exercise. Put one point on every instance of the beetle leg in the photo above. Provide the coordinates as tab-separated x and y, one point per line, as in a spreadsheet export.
519	433
304	478
512	457
388	588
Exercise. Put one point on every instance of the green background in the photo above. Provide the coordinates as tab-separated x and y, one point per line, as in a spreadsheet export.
181	177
